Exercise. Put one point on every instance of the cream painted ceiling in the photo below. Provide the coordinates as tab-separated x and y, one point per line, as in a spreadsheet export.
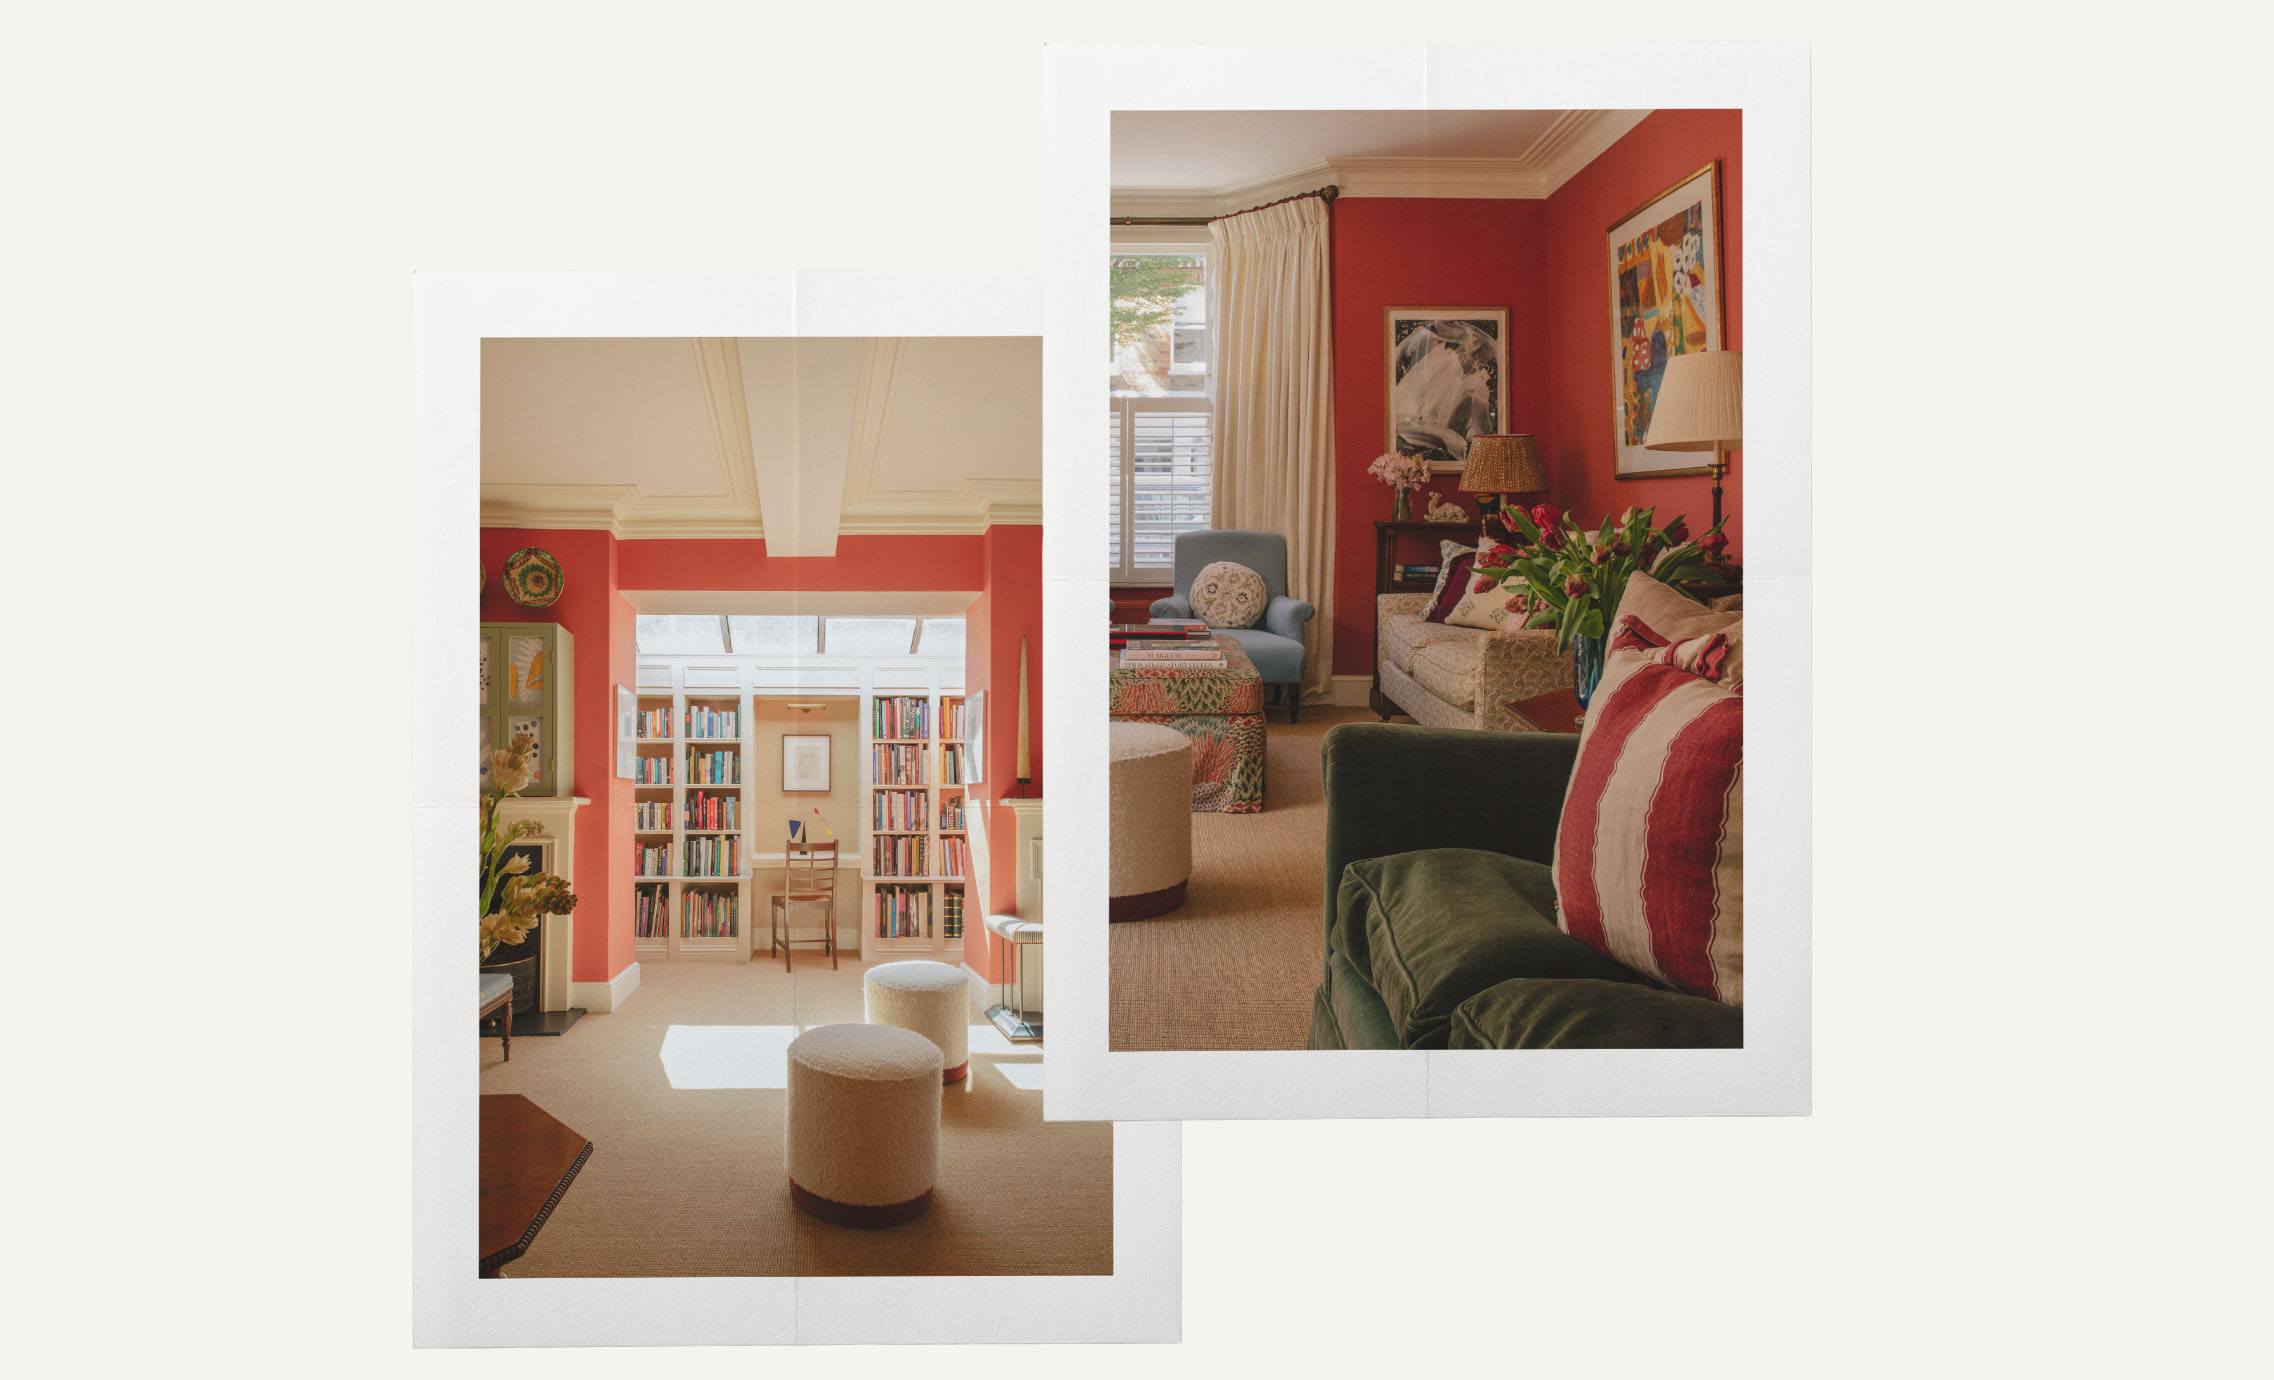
798	440
1208	161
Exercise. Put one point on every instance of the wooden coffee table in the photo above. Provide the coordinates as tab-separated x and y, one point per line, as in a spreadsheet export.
528	1162
1557	711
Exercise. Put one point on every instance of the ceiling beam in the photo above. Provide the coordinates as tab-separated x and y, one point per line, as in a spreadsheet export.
800	396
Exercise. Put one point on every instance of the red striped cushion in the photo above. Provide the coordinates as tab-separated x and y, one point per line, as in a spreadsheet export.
1650	859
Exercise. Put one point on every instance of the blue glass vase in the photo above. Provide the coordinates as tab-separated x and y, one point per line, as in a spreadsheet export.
1586	667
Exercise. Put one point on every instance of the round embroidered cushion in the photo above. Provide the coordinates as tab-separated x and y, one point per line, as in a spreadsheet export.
1226	594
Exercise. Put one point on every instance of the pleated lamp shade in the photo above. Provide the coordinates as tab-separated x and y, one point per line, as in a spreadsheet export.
1503	465
1701	402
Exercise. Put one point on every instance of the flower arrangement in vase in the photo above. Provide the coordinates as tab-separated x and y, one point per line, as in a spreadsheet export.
514	899
1574	578
1404	474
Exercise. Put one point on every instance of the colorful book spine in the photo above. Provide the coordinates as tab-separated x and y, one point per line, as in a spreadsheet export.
652	816
651	912
651	860
951	913
714	857
714	811
900	716
899	764
714	768
709	915
704	722
951	812
899	855
903	912
898	811
951	765
955	857
653	723
951	719
651	771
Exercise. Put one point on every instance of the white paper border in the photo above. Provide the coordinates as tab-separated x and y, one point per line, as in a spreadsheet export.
1138	1302
1769	82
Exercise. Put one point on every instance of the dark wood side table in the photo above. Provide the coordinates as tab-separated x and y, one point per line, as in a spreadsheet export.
1557	711
528	1161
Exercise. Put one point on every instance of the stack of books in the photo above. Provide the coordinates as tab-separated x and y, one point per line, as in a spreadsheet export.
1122	635
1416	574
1190	653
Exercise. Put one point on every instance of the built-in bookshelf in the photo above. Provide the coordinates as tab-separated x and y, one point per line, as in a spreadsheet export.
914	854
690	867
707	862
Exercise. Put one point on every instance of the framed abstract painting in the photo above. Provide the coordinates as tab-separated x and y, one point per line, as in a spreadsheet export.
1448	379
1666	300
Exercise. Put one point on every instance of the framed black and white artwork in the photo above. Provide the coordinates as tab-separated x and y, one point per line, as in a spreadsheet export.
1447	371
805	762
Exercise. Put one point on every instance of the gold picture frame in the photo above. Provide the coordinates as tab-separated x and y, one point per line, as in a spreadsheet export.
1637	241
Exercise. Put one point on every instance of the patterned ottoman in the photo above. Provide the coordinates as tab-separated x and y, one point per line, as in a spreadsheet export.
1220	708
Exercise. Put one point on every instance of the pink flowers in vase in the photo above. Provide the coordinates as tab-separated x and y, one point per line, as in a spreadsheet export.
1404	473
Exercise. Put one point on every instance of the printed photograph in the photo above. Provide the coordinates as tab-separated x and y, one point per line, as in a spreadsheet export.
1426	662
760	931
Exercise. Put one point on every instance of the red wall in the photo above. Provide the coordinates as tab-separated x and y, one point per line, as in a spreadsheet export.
1009	608
1416	252
600	620
861	563
1580	448
1547	264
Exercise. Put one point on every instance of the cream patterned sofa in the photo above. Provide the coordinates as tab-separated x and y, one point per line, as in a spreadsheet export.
1450	677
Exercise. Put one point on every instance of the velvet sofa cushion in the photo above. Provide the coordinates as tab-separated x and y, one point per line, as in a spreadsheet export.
1585	1013
1432	928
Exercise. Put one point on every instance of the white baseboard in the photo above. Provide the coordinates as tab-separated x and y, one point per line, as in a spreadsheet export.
981	991
1352	692
601	997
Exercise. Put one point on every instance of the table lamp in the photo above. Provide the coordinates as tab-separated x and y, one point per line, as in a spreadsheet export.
1503	465
1701	406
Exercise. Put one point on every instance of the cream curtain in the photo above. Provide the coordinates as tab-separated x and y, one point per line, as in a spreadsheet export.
1274	382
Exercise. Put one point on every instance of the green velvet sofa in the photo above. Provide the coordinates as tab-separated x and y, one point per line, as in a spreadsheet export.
1440	906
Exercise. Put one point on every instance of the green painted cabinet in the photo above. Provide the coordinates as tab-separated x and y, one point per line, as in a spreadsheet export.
528	686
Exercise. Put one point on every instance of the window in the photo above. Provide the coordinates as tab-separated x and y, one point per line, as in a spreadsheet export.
791	636
1160	430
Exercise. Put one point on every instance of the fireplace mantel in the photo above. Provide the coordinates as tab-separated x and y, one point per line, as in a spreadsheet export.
555	817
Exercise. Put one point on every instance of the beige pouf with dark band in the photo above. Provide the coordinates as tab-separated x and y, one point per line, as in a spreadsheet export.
863	1124
1151	821
928	998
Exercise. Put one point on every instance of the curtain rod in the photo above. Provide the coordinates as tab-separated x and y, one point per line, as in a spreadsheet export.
1326	194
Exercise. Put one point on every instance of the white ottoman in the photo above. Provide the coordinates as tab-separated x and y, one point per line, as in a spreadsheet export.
928	998
864	1124
1151	821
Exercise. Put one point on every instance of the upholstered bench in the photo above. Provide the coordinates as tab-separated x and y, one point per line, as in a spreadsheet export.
1019	1022
928	998
864	1124
497	995
1150	821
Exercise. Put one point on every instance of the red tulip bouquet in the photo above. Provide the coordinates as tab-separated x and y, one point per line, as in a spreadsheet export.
1573	578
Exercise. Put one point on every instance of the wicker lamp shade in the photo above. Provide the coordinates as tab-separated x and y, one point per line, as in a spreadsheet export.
1701	402
1503	465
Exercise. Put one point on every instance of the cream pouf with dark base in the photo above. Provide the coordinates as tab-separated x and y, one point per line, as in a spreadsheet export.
1151	821
864	1124
928	998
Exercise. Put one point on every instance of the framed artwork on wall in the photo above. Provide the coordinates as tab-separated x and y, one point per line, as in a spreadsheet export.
975	738
627	727
805	762
1447	376
1666	300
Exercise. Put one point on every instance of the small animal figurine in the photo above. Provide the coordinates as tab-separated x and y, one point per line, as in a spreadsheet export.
1441	511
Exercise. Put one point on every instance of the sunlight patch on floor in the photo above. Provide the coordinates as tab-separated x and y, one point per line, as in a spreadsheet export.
727	1056
1026	1077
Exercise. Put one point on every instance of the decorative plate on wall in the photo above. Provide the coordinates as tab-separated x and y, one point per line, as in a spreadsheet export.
533	577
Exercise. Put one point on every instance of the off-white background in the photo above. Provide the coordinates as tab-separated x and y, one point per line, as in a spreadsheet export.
2040	936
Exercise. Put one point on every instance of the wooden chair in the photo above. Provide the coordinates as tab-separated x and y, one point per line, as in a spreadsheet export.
809	877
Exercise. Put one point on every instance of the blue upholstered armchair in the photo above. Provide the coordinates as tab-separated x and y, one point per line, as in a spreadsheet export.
1276	642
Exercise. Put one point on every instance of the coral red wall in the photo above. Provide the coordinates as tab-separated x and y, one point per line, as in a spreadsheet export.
1578	443
1009	608
600	620
861	563
1416	252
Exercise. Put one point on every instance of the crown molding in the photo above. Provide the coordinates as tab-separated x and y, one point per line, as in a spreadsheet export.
1575	139
556	505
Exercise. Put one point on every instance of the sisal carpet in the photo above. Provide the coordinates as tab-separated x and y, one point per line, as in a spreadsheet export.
1235	966
691	1179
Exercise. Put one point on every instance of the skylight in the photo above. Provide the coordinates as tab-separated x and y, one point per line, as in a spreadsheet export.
798	635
